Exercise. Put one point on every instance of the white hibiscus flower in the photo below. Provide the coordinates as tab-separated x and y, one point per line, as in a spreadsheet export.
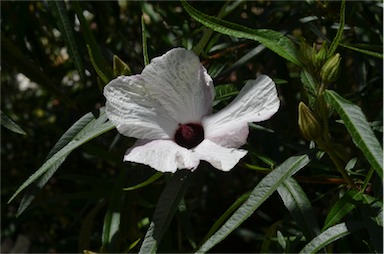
168	108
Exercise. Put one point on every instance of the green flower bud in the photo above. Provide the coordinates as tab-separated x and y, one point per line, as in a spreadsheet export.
321	55
330	70
309	123
307	54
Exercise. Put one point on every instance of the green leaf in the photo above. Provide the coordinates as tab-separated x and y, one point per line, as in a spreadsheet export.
336	40
208	33
225	92
342	207
165	210
297	203
87	227
225	215
90	39
259	194
92	127
372	214
71	133
364	51
244	59
310	86
150	180
59	13
10	125
331	235
99	72
185	223
359	128
271	39
111	234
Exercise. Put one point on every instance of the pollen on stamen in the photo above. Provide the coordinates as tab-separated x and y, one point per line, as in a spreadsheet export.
189	135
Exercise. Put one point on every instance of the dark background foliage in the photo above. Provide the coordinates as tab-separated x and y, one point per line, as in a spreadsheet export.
33	49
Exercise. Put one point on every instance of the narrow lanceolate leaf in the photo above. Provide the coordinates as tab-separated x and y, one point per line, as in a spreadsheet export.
90	39
150	180
92	127
358	126
225	215
97	68
87	227
364	51
271	39
342	207
336	40
330	235
111	227
10	125
165	210
226	91
297	203
258	195
75	130
59	12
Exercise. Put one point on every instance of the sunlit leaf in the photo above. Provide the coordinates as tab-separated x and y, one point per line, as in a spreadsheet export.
271	39
331	235
93	127
297	203
359	129
260	193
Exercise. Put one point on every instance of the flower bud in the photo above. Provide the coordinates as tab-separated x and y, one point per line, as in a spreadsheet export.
330	70
309	124
307	54
321	55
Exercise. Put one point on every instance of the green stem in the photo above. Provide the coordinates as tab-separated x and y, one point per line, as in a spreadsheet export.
327	147
325	142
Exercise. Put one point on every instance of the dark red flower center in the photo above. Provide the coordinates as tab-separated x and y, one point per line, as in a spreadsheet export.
189	135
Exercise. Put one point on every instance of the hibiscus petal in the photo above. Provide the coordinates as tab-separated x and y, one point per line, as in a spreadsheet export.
256	102
134	112
180	84
162	155
220	157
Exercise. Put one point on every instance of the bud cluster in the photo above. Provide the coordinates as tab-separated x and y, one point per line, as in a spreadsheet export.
316	61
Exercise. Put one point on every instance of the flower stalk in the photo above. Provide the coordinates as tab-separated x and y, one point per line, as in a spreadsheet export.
313	122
